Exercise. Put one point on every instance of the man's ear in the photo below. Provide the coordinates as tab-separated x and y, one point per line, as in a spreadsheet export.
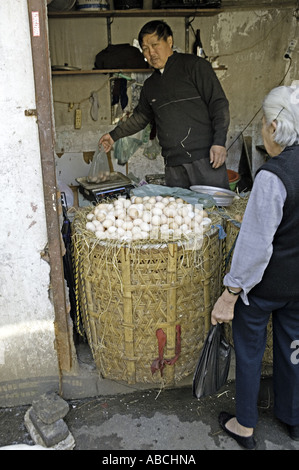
170	41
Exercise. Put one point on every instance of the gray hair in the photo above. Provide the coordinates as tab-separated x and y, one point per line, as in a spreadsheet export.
282	105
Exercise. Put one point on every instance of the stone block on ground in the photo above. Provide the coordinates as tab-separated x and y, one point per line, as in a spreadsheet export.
50	407
68	443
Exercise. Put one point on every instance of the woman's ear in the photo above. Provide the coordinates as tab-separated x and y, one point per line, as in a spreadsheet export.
273	126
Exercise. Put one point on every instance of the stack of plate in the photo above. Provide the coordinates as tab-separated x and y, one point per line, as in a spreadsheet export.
222	197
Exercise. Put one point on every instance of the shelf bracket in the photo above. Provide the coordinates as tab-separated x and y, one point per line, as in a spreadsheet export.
109	22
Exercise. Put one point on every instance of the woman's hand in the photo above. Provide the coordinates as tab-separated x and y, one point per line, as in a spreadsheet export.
223	310
107	142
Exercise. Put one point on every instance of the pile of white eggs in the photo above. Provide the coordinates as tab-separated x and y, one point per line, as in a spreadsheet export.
141	218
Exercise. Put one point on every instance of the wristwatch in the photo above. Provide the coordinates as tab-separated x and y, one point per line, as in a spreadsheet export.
232	292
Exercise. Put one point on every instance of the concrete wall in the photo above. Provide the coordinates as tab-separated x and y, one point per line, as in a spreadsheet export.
28	360
250	43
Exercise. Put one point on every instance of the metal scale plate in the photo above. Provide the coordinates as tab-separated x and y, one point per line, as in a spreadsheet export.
116	185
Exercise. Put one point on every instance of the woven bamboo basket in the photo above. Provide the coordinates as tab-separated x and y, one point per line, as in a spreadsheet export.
130	296
232	228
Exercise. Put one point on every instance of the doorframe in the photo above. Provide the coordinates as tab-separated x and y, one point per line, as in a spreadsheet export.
37	11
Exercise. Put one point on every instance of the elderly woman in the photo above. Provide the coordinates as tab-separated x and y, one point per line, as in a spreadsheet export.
264	276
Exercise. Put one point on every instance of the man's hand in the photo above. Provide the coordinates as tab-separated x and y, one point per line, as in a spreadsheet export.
217	155
107	142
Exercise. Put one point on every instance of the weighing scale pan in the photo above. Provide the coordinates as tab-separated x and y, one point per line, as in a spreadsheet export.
116	184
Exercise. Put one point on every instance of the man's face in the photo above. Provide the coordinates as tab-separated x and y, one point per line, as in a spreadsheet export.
156	51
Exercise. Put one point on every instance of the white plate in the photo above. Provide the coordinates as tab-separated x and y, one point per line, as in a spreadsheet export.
222	197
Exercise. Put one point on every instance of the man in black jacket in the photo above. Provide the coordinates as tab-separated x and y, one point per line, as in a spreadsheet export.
190	109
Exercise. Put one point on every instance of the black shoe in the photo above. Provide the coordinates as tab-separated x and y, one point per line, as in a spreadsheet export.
247	442
294	432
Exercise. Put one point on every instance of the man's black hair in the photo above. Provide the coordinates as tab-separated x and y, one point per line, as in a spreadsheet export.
158	27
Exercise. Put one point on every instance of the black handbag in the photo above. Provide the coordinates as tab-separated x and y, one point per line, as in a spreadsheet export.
213	366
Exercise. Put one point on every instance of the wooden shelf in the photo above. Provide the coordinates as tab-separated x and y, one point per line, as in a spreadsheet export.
178	12
98	71
103	71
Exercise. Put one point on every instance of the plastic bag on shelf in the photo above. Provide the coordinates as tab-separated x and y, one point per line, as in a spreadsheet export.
99	170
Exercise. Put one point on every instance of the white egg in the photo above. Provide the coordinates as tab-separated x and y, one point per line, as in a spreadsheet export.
198	218
127	225
145	227
119	223
155	229
165	200
100	208
138	200
136	229
187	221
159	205
147	206
107	223
118	210
198	229
128	235
152	200
122	215
90	226
157	211
144	235
177	233
206	221
101	216
133	212
137	222
156	220
136	236
90	216
101	235
178	219
173	225
163	218
120	232
164	228
127	203
184	228
159	198
146	216
97	224
139	207
170	211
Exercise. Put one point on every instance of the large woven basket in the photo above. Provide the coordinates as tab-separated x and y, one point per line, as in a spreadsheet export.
134	298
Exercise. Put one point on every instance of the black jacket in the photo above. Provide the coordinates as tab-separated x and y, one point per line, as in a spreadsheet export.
188	105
